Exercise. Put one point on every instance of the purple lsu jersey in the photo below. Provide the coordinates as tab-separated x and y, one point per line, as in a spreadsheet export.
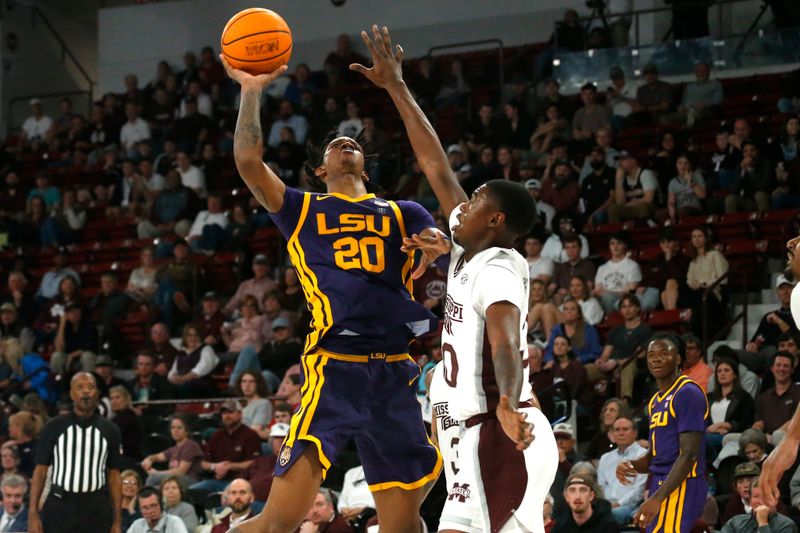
681	408
356	280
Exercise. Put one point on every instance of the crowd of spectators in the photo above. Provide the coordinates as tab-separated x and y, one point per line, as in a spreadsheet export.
155	157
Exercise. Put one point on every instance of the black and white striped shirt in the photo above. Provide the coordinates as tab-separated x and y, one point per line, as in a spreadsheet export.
81	450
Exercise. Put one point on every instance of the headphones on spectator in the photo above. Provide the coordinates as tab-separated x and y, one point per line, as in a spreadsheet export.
146	493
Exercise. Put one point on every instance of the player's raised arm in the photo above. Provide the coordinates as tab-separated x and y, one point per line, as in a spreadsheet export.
387	73
248	142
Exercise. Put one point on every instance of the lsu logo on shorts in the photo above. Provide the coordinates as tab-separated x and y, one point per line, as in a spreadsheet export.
285	456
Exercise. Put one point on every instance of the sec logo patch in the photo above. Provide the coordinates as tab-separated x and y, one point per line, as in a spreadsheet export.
286	456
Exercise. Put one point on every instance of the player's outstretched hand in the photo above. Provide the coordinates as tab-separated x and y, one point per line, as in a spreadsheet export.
432	246
246	79
513	423
781	458
386	60
626	472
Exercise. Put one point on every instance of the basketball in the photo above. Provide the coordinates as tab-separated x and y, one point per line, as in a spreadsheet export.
257	41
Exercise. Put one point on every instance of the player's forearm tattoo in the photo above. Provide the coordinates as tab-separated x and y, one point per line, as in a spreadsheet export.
248	126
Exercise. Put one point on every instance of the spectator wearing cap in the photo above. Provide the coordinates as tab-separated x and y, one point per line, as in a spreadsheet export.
560	186
455	157
755	181
280	353
617	276
739	502
762	517
591	117
230	451
11	327
585	515
621	96
172	211
38	126
75	344
48	288
546	211
260	472
567	452
775	406
104	374
191	370
211	321
597	188
701	100
207	233
240	497
259	285
624	498
764	343
655	97
634	191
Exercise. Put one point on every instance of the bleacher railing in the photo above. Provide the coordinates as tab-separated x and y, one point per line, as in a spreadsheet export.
752	49
728	326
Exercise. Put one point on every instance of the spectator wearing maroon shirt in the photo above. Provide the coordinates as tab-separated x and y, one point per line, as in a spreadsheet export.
211	321
230	451
261	471
665	278
560	187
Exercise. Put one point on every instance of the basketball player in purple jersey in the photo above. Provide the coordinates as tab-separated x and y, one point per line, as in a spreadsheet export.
676	459
358	379
785	453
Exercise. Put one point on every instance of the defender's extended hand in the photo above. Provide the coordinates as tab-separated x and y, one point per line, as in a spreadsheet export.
386	61
432	246
779	460
514	425
245	79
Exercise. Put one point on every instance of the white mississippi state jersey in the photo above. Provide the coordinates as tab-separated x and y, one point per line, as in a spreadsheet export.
448	430
491	276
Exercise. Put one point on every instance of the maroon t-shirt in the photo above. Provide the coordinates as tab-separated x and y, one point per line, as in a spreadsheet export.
260	475
190	452
242	444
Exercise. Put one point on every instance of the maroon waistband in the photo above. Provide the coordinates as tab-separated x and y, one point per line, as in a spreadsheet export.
483	417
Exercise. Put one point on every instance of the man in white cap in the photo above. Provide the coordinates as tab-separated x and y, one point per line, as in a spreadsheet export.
565	440
38	126
546	211
764	343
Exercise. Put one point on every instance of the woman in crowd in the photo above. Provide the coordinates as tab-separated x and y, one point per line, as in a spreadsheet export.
258	411
23	429
706	267
10	460
731	408
183	459
46	324
686	191
590	307
603	439
142	284
243	338
126	420
584	340
191	370
542	313
567	367
753	445
174	504
290	293
131	484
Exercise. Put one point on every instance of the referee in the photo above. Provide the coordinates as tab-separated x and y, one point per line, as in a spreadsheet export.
83	449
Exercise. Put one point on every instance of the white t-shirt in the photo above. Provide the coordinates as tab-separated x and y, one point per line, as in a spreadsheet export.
204	106
616	276
543	265
355	490
133	132
718	410
37	128
194	178
548	211
554	250
204	218
491	276
591	310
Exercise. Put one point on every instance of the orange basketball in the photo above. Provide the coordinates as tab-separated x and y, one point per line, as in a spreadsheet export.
257	41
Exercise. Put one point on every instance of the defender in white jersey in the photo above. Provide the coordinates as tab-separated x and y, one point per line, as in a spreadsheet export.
785	453
494	485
